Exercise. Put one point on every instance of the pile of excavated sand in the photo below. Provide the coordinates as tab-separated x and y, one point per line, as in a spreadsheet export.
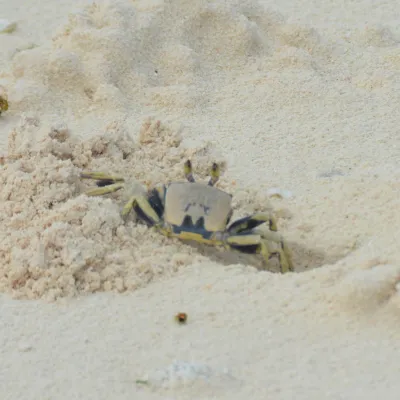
234	83
303	104
57	242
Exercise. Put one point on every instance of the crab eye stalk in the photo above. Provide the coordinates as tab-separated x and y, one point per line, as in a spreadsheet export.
214	174
188	171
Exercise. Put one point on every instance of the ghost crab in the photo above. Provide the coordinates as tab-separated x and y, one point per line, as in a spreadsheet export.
198	211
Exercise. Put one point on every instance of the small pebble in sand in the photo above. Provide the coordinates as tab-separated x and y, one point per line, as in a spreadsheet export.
181	318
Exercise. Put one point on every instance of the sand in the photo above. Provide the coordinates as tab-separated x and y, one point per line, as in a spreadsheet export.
299	99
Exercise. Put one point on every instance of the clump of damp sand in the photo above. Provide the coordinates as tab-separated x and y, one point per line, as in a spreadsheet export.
58	242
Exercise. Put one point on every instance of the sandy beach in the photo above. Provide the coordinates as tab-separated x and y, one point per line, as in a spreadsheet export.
299	104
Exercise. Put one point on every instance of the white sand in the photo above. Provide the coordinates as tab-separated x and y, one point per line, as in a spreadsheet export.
302	97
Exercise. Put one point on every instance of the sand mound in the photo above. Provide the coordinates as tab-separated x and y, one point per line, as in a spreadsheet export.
56	242
85	97
113	54
123	58
235	73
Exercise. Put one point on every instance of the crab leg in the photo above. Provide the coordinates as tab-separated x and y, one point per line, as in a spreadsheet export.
100	176
104	190
244	242
248	223
258	243
143	209
285	259
156	197
106	183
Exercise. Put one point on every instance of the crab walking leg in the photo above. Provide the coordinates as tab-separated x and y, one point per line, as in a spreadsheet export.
156	196
143	208
285	258
105	189
244	242
258	243
248	223
100	176
106	183
284	264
